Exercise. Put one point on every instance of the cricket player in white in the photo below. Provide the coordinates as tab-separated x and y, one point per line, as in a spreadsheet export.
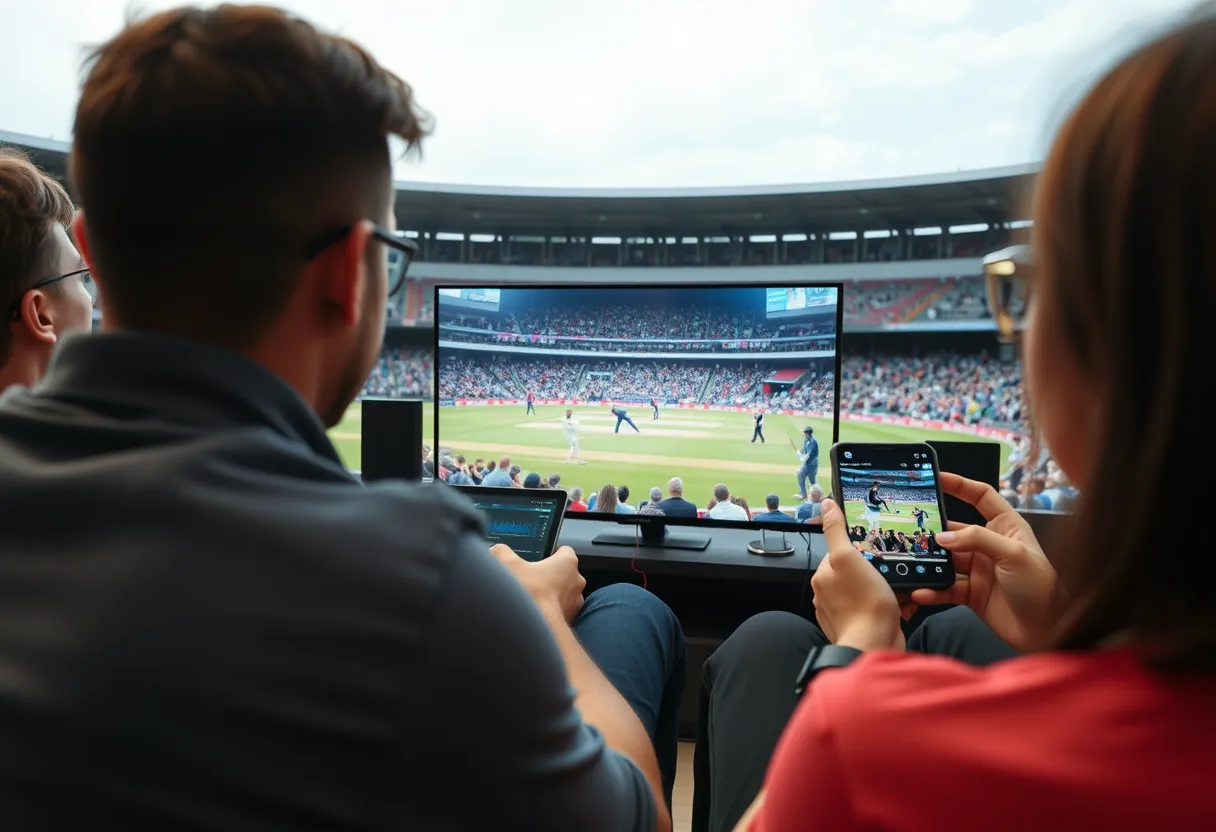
570	426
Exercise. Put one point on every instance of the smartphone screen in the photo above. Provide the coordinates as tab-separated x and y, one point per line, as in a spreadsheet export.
893	503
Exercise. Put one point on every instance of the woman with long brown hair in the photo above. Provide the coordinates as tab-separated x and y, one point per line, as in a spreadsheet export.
1070	691
606	501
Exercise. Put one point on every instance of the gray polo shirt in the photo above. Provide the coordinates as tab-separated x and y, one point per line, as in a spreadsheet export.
207	623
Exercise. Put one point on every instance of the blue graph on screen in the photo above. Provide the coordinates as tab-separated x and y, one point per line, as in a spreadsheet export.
498	528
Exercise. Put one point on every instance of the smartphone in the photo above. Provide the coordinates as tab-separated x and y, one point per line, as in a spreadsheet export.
891	495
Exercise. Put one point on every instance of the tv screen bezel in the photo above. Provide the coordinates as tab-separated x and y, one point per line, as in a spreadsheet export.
628	286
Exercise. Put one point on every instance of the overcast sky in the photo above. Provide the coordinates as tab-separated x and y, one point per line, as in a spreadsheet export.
656	93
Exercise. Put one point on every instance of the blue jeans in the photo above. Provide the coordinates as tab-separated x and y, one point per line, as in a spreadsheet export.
808	471
636	641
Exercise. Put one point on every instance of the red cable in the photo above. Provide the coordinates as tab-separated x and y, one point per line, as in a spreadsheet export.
633	561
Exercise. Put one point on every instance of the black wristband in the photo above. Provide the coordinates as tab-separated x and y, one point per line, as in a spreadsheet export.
821	658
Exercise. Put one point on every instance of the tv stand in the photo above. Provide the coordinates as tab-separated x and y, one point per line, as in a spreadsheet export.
652	536
770	545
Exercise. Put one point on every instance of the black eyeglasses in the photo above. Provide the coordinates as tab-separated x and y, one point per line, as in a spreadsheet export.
401	251
1007	279
14	310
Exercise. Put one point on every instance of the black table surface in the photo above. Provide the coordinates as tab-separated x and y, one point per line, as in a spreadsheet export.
725	557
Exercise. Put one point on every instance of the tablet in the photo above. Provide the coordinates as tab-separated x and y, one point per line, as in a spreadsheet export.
526	519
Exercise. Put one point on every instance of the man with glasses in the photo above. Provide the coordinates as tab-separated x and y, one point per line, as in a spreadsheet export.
43	281
222	628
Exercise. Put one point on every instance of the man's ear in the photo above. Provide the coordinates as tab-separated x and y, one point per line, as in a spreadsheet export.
350	281
37	317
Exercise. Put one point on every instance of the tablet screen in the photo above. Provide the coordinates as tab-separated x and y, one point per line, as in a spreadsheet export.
524	522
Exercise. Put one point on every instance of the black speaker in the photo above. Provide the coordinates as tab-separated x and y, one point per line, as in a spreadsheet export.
974	460
392	440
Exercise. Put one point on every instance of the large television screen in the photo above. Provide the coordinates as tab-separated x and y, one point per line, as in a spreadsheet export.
636	397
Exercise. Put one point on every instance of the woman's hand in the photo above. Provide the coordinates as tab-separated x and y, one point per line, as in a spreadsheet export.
853	602
1002	572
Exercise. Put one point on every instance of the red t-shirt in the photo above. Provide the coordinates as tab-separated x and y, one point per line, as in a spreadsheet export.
1064	741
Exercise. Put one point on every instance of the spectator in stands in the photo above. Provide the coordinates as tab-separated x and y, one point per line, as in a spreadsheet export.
44	293
742	503
401	373
811	510
226	630
1032	491
606	501
532	480
554	480
499	475
575	502
723	508
773	512
514	474
675	505
1059	494
477	470
1109	656
622	495
459	471
446	466
656	497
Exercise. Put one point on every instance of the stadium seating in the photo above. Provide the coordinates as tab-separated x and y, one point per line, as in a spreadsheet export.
970	389
867	303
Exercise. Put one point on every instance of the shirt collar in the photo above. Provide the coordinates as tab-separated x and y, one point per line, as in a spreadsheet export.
181	381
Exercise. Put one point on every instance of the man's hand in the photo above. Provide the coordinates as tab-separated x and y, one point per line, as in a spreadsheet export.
854	604
554	583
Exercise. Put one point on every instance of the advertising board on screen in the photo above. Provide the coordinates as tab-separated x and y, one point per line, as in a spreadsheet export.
793	301
478	300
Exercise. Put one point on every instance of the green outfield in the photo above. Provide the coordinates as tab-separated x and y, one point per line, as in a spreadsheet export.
701	447
899	519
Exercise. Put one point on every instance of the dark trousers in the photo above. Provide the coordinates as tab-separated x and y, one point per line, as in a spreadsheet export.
747	696
620	419
758	433
530	409
636	641
656	413
808	472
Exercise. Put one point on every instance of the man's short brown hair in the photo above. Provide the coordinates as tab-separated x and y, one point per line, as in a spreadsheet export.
211	145
31	204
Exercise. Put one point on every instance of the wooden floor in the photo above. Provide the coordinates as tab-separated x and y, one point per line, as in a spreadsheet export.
681	795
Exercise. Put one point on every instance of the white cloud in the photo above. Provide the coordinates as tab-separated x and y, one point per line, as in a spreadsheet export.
674	92
927	13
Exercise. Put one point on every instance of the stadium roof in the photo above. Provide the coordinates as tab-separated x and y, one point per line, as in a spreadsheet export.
989	196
